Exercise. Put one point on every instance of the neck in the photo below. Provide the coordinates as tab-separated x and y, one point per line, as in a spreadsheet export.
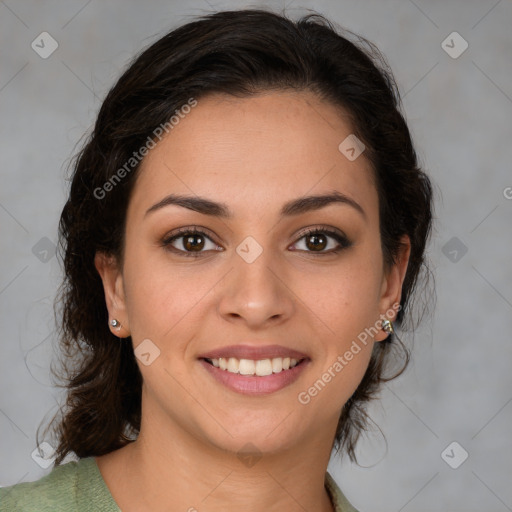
169	469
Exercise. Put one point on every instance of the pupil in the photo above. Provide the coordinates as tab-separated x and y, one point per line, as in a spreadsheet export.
190	245
316	237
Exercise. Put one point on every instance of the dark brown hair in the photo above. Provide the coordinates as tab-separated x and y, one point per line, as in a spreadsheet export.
237	53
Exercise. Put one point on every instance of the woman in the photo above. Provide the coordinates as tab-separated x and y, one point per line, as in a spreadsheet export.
245	227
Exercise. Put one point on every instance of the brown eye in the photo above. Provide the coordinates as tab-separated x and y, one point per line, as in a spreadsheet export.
317	240
189	242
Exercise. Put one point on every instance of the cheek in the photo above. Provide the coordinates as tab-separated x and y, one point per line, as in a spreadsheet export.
162	298
345	298
336	379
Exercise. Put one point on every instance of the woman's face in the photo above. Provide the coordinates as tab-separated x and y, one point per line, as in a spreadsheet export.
255	282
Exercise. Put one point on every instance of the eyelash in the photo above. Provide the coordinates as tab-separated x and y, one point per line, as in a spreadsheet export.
341	239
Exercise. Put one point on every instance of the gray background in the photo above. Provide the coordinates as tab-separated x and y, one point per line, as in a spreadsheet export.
458	386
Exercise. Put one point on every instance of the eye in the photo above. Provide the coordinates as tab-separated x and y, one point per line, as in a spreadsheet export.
191	240
316	240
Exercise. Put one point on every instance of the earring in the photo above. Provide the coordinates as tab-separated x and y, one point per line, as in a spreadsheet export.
115	323
388	326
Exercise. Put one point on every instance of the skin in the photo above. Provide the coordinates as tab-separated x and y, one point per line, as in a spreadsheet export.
253	154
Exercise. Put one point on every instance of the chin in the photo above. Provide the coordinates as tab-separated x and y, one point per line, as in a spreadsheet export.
270	437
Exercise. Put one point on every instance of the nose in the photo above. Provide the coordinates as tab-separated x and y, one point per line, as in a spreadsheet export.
256	293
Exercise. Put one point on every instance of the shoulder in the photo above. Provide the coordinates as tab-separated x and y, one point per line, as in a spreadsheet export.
67	487
52	490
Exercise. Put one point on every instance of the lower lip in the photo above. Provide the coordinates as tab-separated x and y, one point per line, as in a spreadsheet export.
253	384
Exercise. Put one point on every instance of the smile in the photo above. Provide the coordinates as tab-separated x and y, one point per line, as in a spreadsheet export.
255	376
251	367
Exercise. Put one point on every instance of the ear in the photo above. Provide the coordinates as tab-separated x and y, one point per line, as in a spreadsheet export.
113	286
391	291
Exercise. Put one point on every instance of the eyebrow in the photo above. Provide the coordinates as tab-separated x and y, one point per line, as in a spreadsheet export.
289	209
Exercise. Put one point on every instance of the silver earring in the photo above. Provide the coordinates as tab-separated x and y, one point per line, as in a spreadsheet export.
115	323
388	326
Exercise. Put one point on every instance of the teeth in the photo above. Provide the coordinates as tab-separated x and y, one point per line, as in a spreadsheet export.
261	367
233	365
264	367
245	366
277	364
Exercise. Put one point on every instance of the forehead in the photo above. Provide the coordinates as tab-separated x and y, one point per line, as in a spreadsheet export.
255	151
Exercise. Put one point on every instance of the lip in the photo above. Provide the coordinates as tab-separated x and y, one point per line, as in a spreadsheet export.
253	384
254	352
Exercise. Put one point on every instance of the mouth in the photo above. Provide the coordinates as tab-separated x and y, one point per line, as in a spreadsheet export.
255	367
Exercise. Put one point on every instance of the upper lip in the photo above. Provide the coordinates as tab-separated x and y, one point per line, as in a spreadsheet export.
253	352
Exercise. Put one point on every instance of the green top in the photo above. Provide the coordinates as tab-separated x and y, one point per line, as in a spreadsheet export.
78	486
